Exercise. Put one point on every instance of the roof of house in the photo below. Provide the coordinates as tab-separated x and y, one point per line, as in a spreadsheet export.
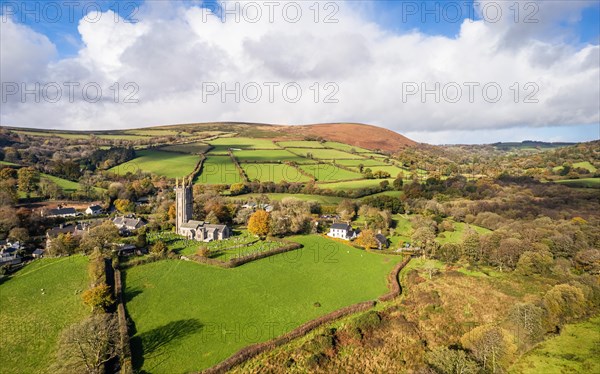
128	222
381	238
341	226
61	211
38	251
95	207
63	229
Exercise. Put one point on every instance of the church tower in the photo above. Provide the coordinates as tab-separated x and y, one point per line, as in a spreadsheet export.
183	203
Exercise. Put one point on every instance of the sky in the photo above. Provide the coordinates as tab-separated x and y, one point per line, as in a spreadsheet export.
438	72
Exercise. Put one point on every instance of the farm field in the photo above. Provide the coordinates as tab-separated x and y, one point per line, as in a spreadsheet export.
223	144
456	236
583	182
66	185
393	170
575	350
350	185
274	173
31	320
219	170
327	200
267	302
325	154
365	162
301	143
345	147
265	156
584	165
192	148
168	164
329	172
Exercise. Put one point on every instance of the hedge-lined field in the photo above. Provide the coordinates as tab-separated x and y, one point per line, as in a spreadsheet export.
352	185
345	147
168	164
583	182
36	304
219	170
329	172
223	144
301	143
367	163
325	154
265	155
190	316
327	200
192	148
274	173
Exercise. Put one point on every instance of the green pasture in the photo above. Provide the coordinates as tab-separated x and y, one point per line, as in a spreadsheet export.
301	144
168	164
329	172
325	154
274	173
352	185
280	155
223	144
219	170
345	147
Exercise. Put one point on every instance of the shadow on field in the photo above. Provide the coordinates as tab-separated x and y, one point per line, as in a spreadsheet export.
151	343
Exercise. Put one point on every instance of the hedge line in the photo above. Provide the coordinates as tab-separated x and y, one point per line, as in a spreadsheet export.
249	258
394	282
251	351
237	165
125	354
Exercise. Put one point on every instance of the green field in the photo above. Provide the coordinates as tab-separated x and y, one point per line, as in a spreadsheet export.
583	182
301	144
191	148
67	185
219	170
36	304
575	350
266	156
327	200
324	154
393	170
7	163
274	173
583	165
352	185
345	147
223	144
168	164
456	236
329	172
190	316
367	163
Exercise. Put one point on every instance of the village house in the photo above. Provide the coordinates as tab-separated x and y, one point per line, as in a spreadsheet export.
94	210
382	241
342	231
194	230
75	229
60	212
128	224
9	253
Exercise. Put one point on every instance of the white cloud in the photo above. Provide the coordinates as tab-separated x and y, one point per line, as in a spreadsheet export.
175	50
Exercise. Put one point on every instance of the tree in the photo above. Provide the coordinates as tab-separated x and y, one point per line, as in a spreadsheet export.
564	303
424	237
398	183
471	246
63	244
28	180
124	205
367	239
451	361
102	237
159	248
380	174
384	184
258	224
346	210
492	346
19	234
86	346
430	268
527	319
538	262
98	297
588	261
237	189
141	241
449	252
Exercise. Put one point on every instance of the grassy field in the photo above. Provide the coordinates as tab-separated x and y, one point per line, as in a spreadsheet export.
219	170
327	200
227	309
31	319
575	350
325	154
7	163
583	182
368	163
329	173
67	185
345	147
192	148
274	173
301	143
168	164
223	144
265	155
352	185
393	170
584	165
456	236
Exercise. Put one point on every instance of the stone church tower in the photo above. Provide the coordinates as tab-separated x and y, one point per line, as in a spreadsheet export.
183	203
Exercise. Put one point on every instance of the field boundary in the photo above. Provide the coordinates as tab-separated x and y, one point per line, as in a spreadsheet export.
245	259
237	165
125	348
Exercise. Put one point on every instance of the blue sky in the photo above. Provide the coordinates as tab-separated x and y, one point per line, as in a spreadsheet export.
428	40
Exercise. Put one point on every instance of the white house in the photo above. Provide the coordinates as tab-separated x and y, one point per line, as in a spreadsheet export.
128	224
94	210
61	212
341	231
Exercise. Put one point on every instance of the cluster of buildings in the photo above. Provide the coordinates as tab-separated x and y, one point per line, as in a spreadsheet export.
345	231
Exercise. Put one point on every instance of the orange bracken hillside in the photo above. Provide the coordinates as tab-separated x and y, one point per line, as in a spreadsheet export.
365	136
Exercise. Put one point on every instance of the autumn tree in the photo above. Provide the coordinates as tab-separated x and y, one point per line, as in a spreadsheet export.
259	222
63	244
564	303
87	346
535	262
527	319
98	297
491	345
471	246
102	237
19	234
346	209
159	248
28	180
124	205
451	361
367	239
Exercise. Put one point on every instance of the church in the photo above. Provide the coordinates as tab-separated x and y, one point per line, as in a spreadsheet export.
186	226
